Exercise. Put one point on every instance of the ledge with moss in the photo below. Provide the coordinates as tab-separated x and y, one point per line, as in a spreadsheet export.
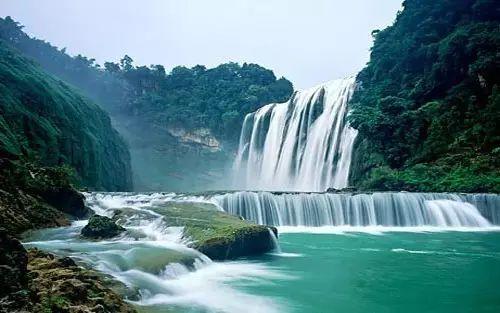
36	281
218	235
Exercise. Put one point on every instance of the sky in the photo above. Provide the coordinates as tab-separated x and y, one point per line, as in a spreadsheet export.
308	42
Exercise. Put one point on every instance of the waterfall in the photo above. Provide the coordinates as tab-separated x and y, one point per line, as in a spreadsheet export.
400	209
303	144
275	241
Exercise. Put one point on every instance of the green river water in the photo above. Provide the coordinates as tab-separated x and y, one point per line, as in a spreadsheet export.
363	269
392	272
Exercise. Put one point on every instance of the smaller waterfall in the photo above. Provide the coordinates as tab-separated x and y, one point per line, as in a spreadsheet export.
276	243
304	144
400	209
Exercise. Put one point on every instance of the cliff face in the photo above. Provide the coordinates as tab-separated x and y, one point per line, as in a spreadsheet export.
429	103
182	125
173	159
45	120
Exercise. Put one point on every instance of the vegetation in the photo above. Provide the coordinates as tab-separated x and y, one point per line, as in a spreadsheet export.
45	121
148	104
217	234
429	103
216	98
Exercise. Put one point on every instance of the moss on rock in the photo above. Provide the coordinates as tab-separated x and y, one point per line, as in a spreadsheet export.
101	227
59	285
218	235
36	281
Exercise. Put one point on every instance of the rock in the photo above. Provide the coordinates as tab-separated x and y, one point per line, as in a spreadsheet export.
67	200
343	190
59	285
101	227
218	235
14	293
248	241
13	264
20	212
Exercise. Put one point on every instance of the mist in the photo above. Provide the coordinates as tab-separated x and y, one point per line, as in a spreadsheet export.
308	42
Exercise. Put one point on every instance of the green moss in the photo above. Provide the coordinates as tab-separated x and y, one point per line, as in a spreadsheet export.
54	304
101	227
217	234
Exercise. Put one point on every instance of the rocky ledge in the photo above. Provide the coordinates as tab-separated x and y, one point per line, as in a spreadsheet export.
218	235
36	281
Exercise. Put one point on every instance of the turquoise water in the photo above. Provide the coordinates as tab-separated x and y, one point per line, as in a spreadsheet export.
350	272
392	272
355	269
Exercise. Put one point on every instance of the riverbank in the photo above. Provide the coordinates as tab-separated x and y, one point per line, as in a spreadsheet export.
38	278
33	198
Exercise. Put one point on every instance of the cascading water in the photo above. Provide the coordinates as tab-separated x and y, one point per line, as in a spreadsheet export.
396	209
153	259
304	144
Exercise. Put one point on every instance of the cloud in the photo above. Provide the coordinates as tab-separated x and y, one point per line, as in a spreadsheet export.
306	41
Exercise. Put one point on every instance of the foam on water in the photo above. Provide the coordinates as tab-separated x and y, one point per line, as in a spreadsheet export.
141	258
379	230
367	212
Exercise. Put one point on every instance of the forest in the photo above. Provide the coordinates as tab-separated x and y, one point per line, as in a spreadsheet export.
217	98
429	102
46	123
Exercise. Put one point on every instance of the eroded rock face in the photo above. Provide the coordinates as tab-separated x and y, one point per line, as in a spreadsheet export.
199	136
101	227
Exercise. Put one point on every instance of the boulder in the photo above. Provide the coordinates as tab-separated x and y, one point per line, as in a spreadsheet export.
218	235
67	200
246	241
100	227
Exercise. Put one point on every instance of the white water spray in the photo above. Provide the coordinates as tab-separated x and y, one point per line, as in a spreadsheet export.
303	144
153	258
380	209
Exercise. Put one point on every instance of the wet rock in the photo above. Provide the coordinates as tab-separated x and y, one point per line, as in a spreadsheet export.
58	285
343	190
14	294
218	235
101	227
67	200
13	263
248	241
20	212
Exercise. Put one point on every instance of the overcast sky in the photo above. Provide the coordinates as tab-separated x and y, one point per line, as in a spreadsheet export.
308	42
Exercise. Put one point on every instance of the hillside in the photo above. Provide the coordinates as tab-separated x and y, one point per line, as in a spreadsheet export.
44	121
182	126
428	106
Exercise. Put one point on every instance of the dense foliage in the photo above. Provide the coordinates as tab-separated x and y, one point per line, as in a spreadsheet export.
150	108
44	120
216	98
429	104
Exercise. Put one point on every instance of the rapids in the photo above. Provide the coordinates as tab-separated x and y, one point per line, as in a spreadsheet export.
328	242
153	260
